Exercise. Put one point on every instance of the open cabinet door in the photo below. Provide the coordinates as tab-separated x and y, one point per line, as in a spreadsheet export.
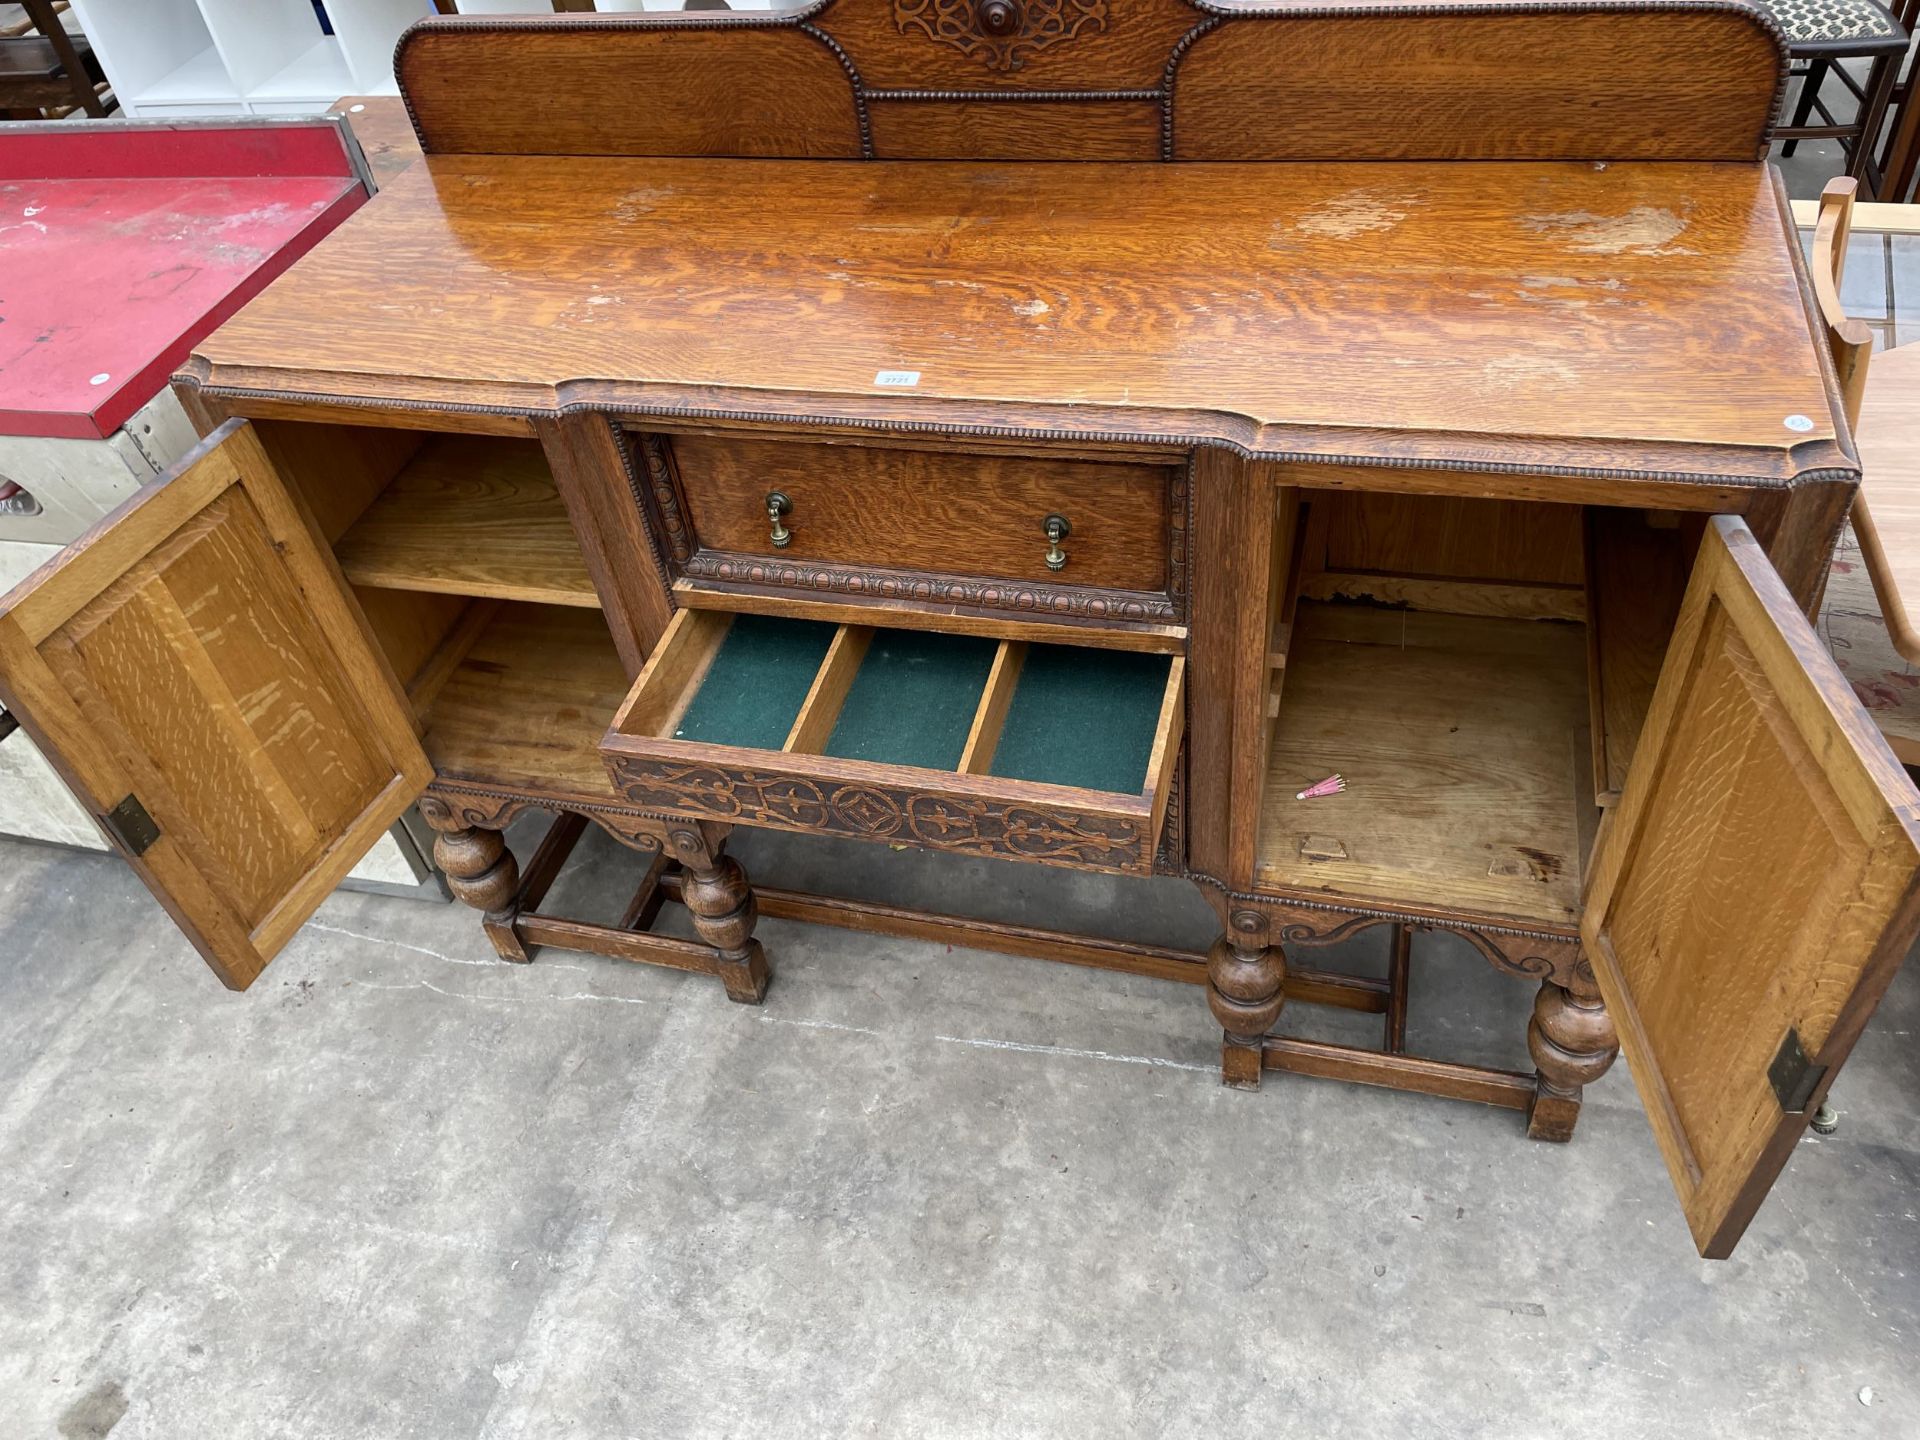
195	669
1755	888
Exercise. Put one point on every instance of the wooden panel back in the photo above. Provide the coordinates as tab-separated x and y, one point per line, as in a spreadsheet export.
1452	537
1106	80
1757	885
1699	86
679	85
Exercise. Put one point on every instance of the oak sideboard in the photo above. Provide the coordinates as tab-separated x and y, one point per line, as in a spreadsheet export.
1062	431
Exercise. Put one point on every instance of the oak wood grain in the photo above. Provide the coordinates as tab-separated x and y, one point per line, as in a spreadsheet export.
381	125
1700	86
1461	783
1758	875
1638	318
968	130
1637	568
589	461
451	638
1246	81
525	706
819	711
1233	523
197	649
337	470
471	515
925	511
734	90
1452	537
666	684
991	717
410	627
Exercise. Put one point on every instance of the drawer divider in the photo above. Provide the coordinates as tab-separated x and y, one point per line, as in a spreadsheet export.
1168	732
995	699
672	676
819	712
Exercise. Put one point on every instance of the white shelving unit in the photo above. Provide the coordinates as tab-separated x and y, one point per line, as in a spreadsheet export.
605	7
233	57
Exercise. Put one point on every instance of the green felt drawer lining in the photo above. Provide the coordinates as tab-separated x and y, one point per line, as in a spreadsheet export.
1079	717
1084	718
757	683
913	700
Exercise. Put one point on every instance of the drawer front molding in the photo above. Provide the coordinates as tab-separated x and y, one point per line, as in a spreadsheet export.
1009	595
971	825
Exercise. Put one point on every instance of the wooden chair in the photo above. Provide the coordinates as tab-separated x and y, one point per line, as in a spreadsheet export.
1890	458
1851	344
1822	33
46	71
1898	158
1849	340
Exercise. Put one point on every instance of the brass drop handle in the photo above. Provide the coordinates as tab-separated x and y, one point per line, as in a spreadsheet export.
777	507
1056	529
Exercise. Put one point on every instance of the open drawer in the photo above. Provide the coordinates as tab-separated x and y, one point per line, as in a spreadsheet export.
1051	753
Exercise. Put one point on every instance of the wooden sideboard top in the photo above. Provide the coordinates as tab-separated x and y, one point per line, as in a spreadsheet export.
1634	317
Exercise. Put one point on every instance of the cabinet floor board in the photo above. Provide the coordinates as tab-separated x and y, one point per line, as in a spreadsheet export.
1457	738
527	705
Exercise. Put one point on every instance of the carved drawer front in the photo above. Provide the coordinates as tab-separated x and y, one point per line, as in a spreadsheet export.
1024	533
1050	753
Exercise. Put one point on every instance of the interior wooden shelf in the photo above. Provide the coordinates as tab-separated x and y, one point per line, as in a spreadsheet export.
529	692
1463	742
471	515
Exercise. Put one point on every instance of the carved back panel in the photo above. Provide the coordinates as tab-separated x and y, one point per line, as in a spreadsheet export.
1109	80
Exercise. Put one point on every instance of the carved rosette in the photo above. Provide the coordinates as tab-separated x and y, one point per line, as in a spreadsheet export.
1000	33
971	825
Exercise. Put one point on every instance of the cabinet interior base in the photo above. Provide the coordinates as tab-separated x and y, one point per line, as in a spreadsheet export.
517	698
1463	743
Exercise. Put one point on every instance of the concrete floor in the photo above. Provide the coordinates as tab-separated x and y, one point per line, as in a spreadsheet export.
399	1189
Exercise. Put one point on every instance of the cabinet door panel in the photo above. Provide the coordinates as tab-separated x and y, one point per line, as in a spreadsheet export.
1755	889
196	670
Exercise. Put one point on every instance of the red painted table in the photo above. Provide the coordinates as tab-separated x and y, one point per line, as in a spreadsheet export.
123	245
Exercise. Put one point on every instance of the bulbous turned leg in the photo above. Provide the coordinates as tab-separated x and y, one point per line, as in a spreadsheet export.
481	872
1572	1041
1246	986
721	903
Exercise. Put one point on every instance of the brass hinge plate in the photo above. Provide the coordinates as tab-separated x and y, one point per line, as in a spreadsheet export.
1792	1075
131	826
